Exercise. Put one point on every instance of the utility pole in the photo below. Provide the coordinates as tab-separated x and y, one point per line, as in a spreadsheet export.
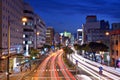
8	49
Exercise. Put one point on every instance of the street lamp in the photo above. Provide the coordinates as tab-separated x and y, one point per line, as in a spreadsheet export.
107	34
23	20
8	49
108	55
37	34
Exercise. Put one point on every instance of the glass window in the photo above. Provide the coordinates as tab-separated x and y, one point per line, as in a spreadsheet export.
116	42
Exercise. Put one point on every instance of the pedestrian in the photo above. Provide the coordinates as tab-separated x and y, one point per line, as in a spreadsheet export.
21	68
100	70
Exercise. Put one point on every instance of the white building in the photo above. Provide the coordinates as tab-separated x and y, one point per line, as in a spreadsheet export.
79	36
40	30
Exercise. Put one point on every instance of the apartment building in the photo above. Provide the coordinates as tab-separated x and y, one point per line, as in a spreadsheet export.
115	44
50	36
40	36
28	29
11	13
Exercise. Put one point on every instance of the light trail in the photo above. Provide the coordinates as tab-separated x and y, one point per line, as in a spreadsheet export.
83	62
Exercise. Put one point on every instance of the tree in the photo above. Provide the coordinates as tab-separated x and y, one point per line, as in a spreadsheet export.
78	48
67	50
96	47
34	53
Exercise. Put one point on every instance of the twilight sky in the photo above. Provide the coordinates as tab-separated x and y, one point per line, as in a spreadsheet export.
70	14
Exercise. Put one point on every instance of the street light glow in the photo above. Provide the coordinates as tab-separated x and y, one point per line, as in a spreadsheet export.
24	19
107	33
37	33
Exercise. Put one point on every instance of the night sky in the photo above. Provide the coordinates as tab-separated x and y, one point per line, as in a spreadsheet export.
70	14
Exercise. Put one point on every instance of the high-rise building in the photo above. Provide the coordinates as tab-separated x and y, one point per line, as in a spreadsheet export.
11	15
66	38
28	29
79	36
50	36
57	38
40	30
94	30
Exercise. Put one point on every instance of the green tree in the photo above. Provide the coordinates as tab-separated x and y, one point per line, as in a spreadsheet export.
67	50
96	47
78	48
34	53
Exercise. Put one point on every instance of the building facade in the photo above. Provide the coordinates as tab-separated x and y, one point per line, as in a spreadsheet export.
115	44
57	39
79	36
115	47
40	36
115	26
28	29
11	13
50	36
94	30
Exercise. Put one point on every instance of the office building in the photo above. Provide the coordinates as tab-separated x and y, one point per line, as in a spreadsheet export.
79	36
94	30
50	36
40	30
57	38
11	13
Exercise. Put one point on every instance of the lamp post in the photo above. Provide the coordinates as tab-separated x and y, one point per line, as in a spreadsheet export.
37	33
8	61
8	49
108	55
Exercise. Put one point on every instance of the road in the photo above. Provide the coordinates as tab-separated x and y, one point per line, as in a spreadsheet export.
92	68
52	68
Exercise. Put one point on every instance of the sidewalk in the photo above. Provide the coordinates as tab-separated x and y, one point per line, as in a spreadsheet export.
19	75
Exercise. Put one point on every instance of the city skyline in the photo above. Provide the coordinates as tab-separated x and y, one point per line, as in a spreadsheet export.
70	14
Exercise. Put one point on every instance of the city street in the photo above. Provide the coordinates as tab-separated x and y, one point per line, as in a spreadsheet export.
52	68
92	68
